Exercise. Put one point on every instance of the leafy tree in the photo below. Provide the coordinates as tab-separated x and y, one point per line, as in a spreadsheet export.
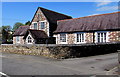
17	25
27	23
5	33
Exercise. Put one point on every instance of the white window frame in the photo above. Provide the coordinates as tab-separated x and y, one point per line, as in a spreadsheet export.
32	40
96	36
60	38
29	40
84	34
17	39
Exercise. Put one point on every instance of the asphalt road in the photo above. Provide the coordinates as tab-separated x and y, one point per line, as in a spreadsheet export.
14	64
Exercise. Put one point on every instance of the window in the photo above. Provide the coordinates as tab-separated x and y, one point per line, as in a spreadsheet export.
80	37
29	39
35	25
38	16
17	39
101	37
42	25
63	37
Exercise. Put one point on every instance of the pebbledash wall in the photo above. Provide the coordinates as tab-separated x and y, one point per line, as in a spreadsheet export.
90	37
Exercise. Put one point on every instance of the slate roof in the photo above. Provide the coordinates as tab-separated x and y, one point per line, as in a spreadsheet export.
107	21
53	16
21	31
36	34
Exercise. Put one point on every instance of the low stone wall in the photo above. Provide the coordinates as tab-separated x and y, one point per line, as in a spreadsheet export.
63	51
51	52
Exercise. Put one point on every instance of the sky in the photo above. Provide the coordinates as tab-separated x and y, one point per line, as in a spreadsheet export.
13	12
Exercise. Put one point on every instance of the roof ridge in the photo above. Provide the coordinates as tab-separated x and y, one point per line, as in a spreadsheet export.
89	16
54	11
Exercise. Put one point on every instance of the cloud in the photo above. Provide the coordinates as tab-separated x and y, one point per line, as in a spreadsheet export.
93	14
102	3
107	8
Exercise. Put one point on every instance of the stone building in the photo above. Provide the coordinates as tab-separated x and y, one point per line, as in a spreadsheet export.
19	34
91	29
48	26
43	20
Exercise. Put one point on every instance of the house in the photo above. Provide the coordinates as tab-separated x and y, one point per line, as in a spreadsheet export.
35	36
90	29
43	23
19	34
48	26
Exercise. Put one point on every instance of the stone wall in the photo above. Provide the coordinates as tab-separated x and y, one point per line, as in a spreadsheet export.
42	17
71	38
56	52
89	37
62	51
114	36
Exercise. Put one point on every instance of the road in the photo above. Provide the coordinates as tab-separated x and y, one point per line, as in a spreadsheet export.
15	64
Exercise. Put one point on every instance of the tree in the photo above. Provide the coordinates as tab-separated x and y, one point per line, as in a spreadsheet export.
17	25
27	23
5	33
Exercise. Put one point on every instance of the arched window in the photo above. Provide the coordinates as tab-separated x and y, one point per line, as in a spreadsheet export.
29	39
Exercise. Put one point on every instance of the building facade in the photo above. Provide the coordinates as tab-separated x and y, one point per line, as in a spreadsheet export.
19	34
91	29
48	26
44	22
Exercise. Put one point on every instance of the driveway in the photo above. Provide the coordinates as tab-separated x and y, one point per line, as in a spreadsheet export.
15	64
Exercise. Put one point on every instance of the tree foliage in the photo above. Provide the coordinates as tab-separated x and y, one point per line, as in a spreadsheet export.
27	23
17	25
6	36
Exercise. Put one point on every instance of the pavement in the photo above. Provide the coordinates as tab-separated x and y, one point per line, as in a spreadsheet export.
16	64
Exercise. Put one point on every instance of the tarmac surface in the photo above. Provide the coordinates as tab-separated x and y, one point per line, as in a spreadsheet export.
16	64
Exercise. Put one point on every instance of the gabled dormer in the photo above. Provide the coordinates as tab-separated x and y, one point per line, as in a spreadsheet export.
46	20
